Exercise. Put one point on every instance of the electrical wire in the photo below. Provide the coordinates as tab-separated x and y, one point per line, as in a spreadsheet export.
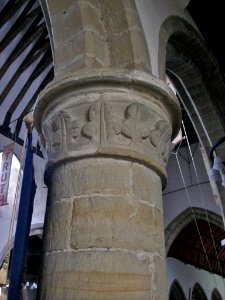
194	217
210	142
192	103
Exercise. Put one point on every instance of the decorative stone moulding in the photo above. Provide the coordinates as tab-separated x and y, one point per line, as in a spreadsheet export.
129	116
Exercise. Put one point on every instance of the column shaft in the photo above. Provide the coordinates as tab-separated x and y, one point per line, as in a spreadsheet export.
107	140
104	232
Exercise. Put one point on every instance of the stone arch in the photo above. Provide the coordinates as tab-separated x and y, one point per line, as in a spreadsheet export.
198	292
216	295
183	219
96	34
180	31
176	291
195	74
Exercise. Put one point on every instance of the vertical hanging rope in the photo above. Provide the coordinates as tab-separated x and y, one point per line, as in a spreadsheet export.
201	194
194	217
172	74
210	142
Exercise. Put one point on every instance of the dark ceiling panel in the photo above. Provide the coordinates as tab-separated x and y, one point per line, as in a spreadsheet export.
209	17
190	247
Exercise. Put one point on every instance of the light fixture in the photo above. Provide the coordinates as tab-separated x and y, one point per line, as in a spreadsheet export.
223	180
215	175
223	243
217	165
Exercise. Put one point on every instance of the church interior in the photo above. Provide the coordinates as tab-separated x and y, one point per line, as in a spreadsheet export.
56	59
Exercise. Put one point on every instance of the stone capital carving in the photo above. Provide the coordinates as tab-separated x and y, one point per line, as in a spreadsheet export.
116	121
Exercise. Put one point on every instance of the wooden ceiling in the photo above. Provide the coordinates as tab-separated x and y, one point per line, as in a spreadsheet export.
202	250
25	63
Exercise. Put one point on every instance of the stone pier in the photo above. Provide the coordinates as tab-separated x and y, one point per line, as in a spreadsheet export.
106	124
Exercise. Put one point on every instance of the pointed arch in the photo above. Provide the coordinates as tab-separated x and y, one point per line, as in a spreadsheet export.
193	69
216	295
189	232
176	291
198	293
185	218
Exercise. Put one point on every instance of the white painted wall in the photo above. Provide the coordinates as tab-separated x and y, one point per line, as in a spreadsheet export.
175	198
175	201
188	275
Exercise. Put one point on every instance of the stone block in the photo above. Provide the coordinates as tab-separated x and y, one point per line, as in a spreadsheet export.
116	222
91	176
102	275
147	186
58	226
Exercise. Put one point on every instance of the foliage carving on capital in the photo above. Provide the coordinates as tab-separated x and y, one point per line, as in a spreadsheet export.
91	128
161	136
69	130
103	123
136	123
53	133
139	128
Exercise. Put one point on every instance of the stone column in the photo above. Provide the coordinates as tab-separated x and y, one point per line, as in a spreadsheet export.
106	127
107	143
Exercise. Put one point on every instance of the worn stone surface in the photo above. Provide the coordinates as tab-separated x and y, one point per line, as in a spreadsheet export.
111	177
107	147
120	122
58	219
116	122
112	216
91	176
97	34
102	274
105	126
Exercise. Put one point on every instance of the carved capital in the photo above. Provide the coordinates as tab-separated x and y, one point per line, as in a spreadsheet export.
112	120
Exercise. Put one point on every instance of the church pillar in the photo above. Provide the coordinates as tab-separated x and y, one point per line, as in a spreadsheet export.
106	127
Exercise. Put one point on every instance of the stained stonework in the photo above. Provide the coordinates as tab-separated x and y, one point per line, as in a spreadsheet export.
105	126
96	34
107	143
112	122
105	234
105	214
112	274
118	121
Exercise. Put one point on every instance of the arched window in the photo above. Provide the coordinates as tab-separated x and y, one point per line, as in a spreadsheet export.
198	293
176	291
216	295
